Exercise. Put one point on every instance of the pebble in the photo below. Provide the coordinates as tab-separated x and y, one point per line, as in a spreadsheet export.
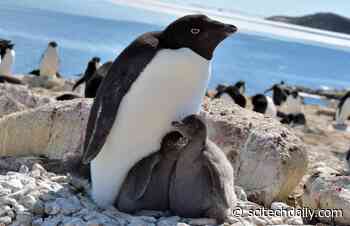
40	198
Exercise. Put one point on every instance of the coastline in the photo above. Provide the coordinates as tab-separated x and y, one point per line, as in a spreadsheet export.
247	24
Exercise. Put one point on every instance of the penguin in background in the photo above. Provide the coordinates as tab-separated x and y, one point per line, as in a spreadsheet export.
233	93
240	86
49	64
93	77
279	93
343	109
7	60
347	158
90	70
264	105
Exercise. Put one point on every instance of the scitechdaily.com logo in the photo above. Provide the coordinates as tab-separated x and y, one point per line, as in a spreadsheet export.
290	212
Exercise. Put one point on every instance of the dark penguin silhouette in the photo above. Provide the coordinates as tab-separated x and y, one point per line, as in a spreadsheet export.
264	105
259	102
90	70
241	86
147	185
203	181
279	93
221	88
234	93
93	77
11	80
343	109
159	78
347	158
4	44
67	96
292	119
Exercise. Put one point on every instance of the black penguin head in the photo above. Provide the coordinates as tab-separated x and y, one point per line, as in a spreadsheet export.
192	126
241	86
259	102
279	94
53	44
96	59
92	67
221	88
10	46
236	95
197	32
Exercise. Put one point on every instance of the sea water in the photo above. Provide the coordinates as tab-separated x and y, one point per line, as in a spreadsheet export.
87	28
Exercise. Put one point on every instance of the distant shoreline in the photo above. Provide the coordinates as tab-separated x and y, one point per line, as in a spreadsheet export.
248	24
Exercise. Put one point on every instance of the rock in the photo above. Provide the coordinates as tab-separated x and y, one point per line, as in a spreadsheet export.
9	105
240	193
328	190
202	221
5	220
268	159
168	221
53	130
23	219
21	97
44	81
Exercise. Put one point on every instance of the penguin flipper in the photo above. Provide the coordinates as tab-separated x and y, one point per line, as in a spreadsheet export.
139	177
80	81
221	174
124	71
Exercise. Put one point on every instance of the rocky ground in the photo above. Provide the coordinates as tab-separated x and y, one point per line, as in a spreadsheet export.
271	162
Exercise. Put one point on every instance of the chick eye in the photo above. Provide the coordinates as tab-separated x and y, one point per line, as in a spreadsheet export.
195	31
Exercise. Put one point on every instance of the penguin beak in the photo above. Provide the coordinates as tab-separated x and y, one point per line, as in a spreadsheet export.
230	29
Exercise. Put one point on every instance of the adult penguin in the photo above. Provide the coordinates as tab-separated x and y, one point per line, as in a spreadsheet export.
343	109
279	93
7	60
159	78
50	62
93	76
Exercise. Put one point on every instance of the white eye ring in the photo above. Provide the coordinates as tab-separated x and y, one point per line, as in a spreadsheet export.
195	31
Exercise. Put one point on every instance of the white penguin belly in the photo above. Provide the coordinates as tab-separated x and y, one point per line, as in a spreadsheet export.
293	105
171	87
271	108
343	113
49	63
6	63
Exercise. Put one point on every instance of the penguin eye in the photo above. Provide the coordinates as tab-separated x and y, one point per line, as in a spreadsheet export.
195	31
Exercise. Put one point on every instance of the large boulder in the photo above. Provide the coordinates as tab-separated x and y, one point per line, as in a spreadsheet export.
52	130
268	159
328	191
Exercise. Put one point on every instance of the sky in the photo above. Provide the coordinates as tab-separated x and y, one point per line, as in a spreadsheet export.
265	8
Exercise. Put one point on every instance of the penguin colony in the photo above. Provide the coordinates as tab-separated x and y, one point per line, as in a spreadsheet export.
121	142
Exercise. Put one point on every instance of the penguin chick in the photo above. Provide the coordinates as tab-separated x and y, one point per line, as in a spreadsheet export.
203	181
146	186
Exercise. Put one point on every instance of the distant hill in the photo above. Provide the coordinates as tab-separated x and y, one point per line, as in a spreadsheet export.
324	21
